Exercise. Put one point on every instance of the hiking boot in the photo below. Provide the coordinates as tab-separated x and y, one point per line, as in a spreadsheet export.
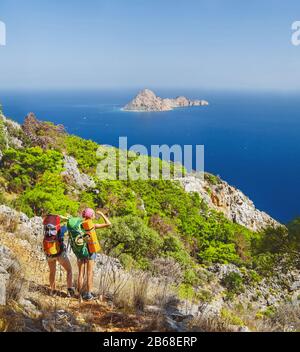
88	297
53	293
71	292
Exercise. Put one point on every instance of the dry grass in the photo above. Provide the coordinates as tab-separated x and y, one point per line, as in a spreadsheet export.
7	224
167	268
17	285
132	290
285	318
122	294
209	324
11	226
11	319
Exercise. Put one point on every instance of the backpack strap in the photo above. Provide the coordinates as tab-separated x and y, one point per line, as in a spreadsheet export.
89	230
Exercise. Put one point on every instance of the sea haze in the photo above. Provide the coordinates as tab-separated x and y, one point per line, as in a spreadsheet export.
251	139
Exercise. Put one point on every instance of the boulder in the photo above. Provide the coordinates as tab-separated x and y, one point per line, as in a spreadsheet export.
4	276
295	286
73	176
36	226
12	221
61	321
6	258
8	266
105	263
172	325
222	270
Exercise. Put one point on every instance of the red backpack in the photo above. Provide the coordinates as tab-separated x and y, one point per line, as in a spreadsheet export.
51	243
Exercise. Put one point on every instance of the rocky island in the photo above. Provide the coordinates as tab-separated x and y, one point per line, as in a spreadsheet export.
147	101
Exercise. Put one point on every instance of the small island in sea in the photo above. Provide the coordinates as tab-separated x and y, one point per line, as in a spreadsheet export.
147	101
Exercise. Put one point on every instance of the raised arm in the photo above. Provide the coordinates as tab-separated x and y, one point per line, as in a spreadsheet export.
106	224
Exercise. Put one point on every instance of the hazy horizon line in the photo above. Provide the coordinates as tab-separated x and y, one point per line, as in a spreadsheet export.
154	88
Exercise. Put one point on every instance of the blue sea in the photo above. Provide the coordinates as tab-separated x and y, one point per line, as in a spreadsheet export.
251	139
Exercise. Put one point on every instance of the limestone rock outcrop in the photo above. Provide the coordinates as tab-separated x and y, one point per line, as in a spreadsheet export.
73	176
235	205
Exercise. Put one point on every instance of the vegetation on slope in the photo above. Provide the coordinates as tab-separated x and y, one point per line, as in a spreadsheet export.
152	219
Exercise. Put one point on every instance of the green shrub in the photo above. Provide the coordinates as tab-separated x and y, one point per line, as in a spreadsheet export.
173	247
186	291
254	277
209	238
272	241
230	318
191	277
127	261
234	283
84	151
265	264
212	179
218	252
205	296
87	200
22	168
117	198
269	312
2	199
48	196
130	235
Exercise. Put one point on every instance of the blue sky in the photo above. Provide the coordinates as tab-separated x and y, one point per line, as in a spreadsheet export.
211	44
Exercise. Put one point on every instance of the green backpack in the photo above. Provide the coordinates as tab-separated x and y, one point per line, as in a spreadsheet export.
76	235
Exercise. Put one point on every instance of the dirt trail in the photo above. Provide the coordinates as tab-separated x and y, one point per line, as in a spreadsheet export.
61	312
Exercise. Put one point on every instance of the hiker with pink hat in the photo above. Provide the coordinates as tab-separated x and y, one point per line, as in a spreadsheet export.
87	265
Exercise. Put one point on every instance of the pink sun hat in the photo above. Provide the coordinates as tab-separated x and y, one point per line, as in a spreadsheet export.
88	213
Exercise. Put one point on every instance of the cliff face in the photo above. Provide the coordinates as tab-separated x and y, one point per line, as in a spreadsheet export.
235	205
147	100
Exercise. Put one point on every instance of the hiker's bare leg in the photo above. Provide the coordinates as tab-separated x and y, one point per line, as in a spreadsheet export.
90	275
52	267
65	263
81	266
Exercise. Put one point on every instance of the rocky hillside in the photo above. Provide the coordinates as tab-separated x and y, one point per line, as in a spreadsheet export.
182	255
147	100
223	302
216	193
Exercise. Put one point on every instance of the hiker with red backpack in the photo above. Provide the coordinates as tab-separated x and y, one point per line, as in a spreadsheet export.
55	251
